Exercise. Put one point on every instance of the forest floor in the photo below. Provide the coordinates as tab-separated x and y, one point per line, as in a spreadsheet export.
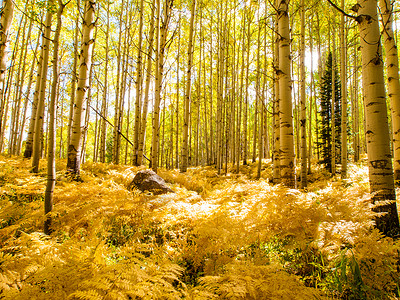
217	237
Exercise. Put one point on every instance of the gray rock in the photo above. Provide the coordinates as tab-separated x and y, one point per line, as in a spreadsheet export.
148	180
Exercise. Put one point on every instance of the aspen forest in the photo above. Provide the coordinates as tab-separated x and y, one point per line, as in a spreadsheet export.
197	149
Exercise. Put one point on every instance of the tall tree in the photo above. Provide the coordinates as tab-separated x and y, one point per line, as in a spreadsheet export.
51	159
74	75
19	84
286	154
239	117
334	130
303	110
161	44
377	130
355	108
143	124
246	88
139	81
31	131
38	129
85	63
392	67
343	93
103	123
6	16
330	114
275	106
118	99
185	146
27	96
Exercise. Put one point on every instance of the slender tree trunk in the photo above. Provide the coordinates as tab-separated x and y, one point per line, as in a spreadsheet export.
147	88
74	76
287	170
333	101
266	134
31	131
7	91
60	117
162	31
51	159
122	92
117	113
198	107
6	16
240	97
303	109
258	96
219	67
296	112
275	112
28	95
38	131
85	63
128	117
205	119
311	102
177	96
392	67
88	104
20	79
96	142
104	106
185	145
212	148
261	103
320	62
158	86
343	79
139	82
356	120
246	101
234	94
377	129
20	125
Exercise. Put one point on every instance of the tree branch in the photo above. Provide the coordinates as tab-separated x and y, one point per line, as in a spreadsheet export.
341	10
118	131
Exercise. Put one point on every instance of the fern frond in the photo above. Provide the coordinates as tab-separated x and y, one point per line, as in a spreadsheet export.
85	295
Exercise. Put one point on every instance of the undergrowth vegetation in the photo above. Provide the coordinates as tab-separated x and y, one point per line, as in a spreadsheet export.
217	237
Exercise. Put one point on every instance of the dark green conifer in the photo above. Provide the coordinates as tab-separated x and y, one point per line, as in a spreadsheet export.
325	122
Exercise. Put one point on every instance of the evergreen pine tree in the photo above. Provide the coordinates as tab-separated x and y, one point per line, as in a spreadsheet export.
325	122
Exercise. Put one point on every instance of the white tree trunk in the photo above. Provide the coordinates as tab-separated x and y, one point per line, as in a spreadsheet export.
275	111
7	12
377	129
85	63
303	110
287	170
162	30
143	124
185	145
343	79
52	128
38	131
139	81
392	67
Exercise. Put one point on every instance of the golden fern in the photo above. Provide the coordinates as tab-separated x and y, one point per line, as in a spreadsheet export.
230	237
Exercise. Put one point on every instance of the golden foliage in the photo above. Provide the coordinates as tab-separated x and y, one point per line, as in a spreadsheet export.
217	237
247	281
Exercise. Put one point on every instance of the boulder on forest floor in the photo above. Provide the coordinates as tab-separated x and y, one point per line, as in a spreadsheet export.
148	180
